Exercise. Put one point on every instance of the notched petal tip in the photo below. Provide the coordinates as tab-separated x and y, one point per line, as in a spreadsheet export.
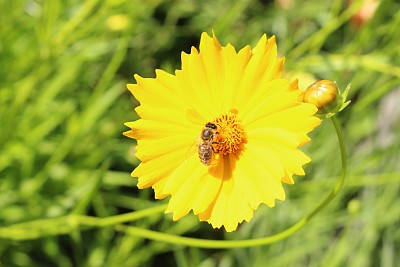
132	88
272	39
209	44
231	228
130	124
138	77
245	52
263	40
216	42
194	50
129	134
204	37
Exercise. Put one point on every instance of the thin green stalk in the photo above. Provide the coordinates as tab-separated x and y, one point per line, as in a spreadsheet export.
69	223
127	217
215	244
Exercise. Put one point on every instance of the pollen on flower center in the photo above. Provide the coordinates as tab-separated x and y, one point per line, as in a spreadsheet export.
231	136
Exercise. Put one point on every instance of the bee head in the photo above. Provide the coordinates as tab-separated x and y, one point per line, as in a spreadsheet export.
206	134
211	126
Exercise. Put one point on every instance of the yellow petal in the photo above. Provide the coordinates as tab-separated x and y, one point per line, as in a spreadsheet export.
191	187
252	183
268	100
213	67
227	210
235	73
162	166
281	144
147	129
297	119
262	67
146	88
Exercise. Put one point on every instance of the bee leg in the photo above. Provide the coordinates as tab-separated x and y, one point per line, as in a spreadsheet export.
218	143
213	149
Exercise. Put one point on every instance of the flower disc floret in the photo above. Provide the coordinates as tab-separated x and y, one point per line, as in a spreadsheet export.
231	136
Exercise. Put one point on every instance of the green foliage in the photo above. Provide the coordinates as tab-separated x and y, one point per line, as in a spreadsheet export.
64	164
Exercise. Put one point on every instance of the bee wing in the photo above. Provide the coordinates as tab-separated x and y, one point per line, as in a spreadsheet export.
193	149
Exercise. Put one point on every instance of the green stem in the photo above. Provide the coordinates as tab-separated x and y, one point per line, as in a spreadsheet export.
214	244
69	223
66	224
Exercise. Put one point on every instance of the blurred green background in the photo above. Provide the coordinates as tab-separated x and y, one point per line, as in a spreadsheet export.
63	102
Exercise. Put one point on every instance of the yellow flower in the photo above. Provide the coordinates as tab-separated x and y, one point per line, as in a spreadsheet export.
259	120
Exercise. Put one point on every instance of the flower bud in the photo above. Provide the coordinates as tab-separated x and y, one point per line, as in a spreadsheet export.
326	96
321	93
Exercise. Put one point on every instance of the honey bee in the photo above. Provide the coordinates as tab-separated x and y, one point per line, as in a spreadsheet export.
205	145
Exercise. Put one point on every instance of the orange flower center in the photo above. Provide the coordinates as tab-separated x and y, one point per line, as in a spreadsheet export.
231	136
